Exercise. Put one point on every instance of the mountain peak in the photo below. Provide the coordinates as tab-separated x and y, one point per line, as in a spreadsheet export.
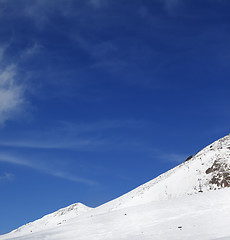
54	219
208	170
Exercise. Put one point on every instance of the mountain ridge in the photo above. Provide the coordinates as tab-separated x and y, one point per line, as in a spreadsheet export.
56	218
163	187
206	171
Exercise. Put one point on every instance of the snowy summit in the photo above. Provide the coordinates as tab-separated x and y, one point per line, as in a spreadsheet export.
54	219
191	201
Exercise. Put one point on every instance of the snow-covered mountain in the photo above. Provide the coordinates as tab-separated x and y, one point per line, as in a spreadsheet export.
179	204
203	216
208	170
53	220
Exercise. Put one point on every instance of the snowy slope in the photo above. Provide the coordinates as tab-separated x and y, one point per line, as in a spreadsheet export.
211	165
155	208
204	216
55	219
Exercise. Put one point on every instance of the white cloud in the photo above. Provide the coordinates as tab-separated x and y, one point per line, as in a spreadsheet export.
74	144
67	176
12	100
31	51
91	136
165	156
13	160
43	167
172	157
37	11
2	50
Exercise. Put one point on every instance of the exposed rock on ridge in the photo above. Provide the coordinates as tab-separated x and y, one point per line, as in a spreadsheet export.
208	170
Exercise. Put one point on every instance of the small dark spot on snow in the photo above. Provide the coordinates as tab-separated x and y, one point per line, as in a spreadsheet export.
180	227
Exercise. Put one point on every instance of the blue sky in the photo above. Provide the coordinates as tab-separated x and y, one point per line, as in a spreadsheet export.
100	96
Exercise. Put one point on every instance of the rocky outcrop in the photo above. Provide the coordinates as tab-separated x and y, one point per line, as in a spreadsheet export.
220	173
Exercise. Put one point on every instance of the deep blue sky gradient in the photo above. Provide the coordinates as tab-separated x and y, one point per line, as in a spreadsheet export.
100	96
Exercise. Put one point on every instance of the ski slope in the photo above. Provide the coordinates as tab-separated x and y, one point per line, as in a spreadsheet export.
170	206
183	179
57	218
201	216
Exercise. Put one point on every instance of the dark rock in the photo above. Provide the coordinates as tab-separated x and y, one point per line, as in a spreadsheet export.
209	170
188	158
221	173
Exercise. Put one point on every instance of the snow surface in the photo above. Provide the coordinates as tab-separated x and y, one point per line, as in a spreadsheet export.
52	220
201	216
168	207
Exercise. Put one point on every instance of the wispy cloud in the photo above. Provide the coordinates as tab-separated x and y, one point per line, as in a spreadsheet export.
15	160
77	144
102	125
171	5
40	11
30	51
2	50
12	93
172	157
43	167
69	177
163	155
6	177
98	3
67	135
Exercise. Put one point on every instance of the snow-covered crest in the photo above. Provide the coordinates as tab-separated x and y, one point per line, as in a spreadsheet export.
55	219
132	215
208	170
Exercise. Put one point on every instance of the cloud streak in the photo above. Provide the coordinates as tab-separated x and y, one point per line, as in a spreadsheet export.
30	51
77	144
12	93
7	177
43	167
165	156
172	157
84	137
